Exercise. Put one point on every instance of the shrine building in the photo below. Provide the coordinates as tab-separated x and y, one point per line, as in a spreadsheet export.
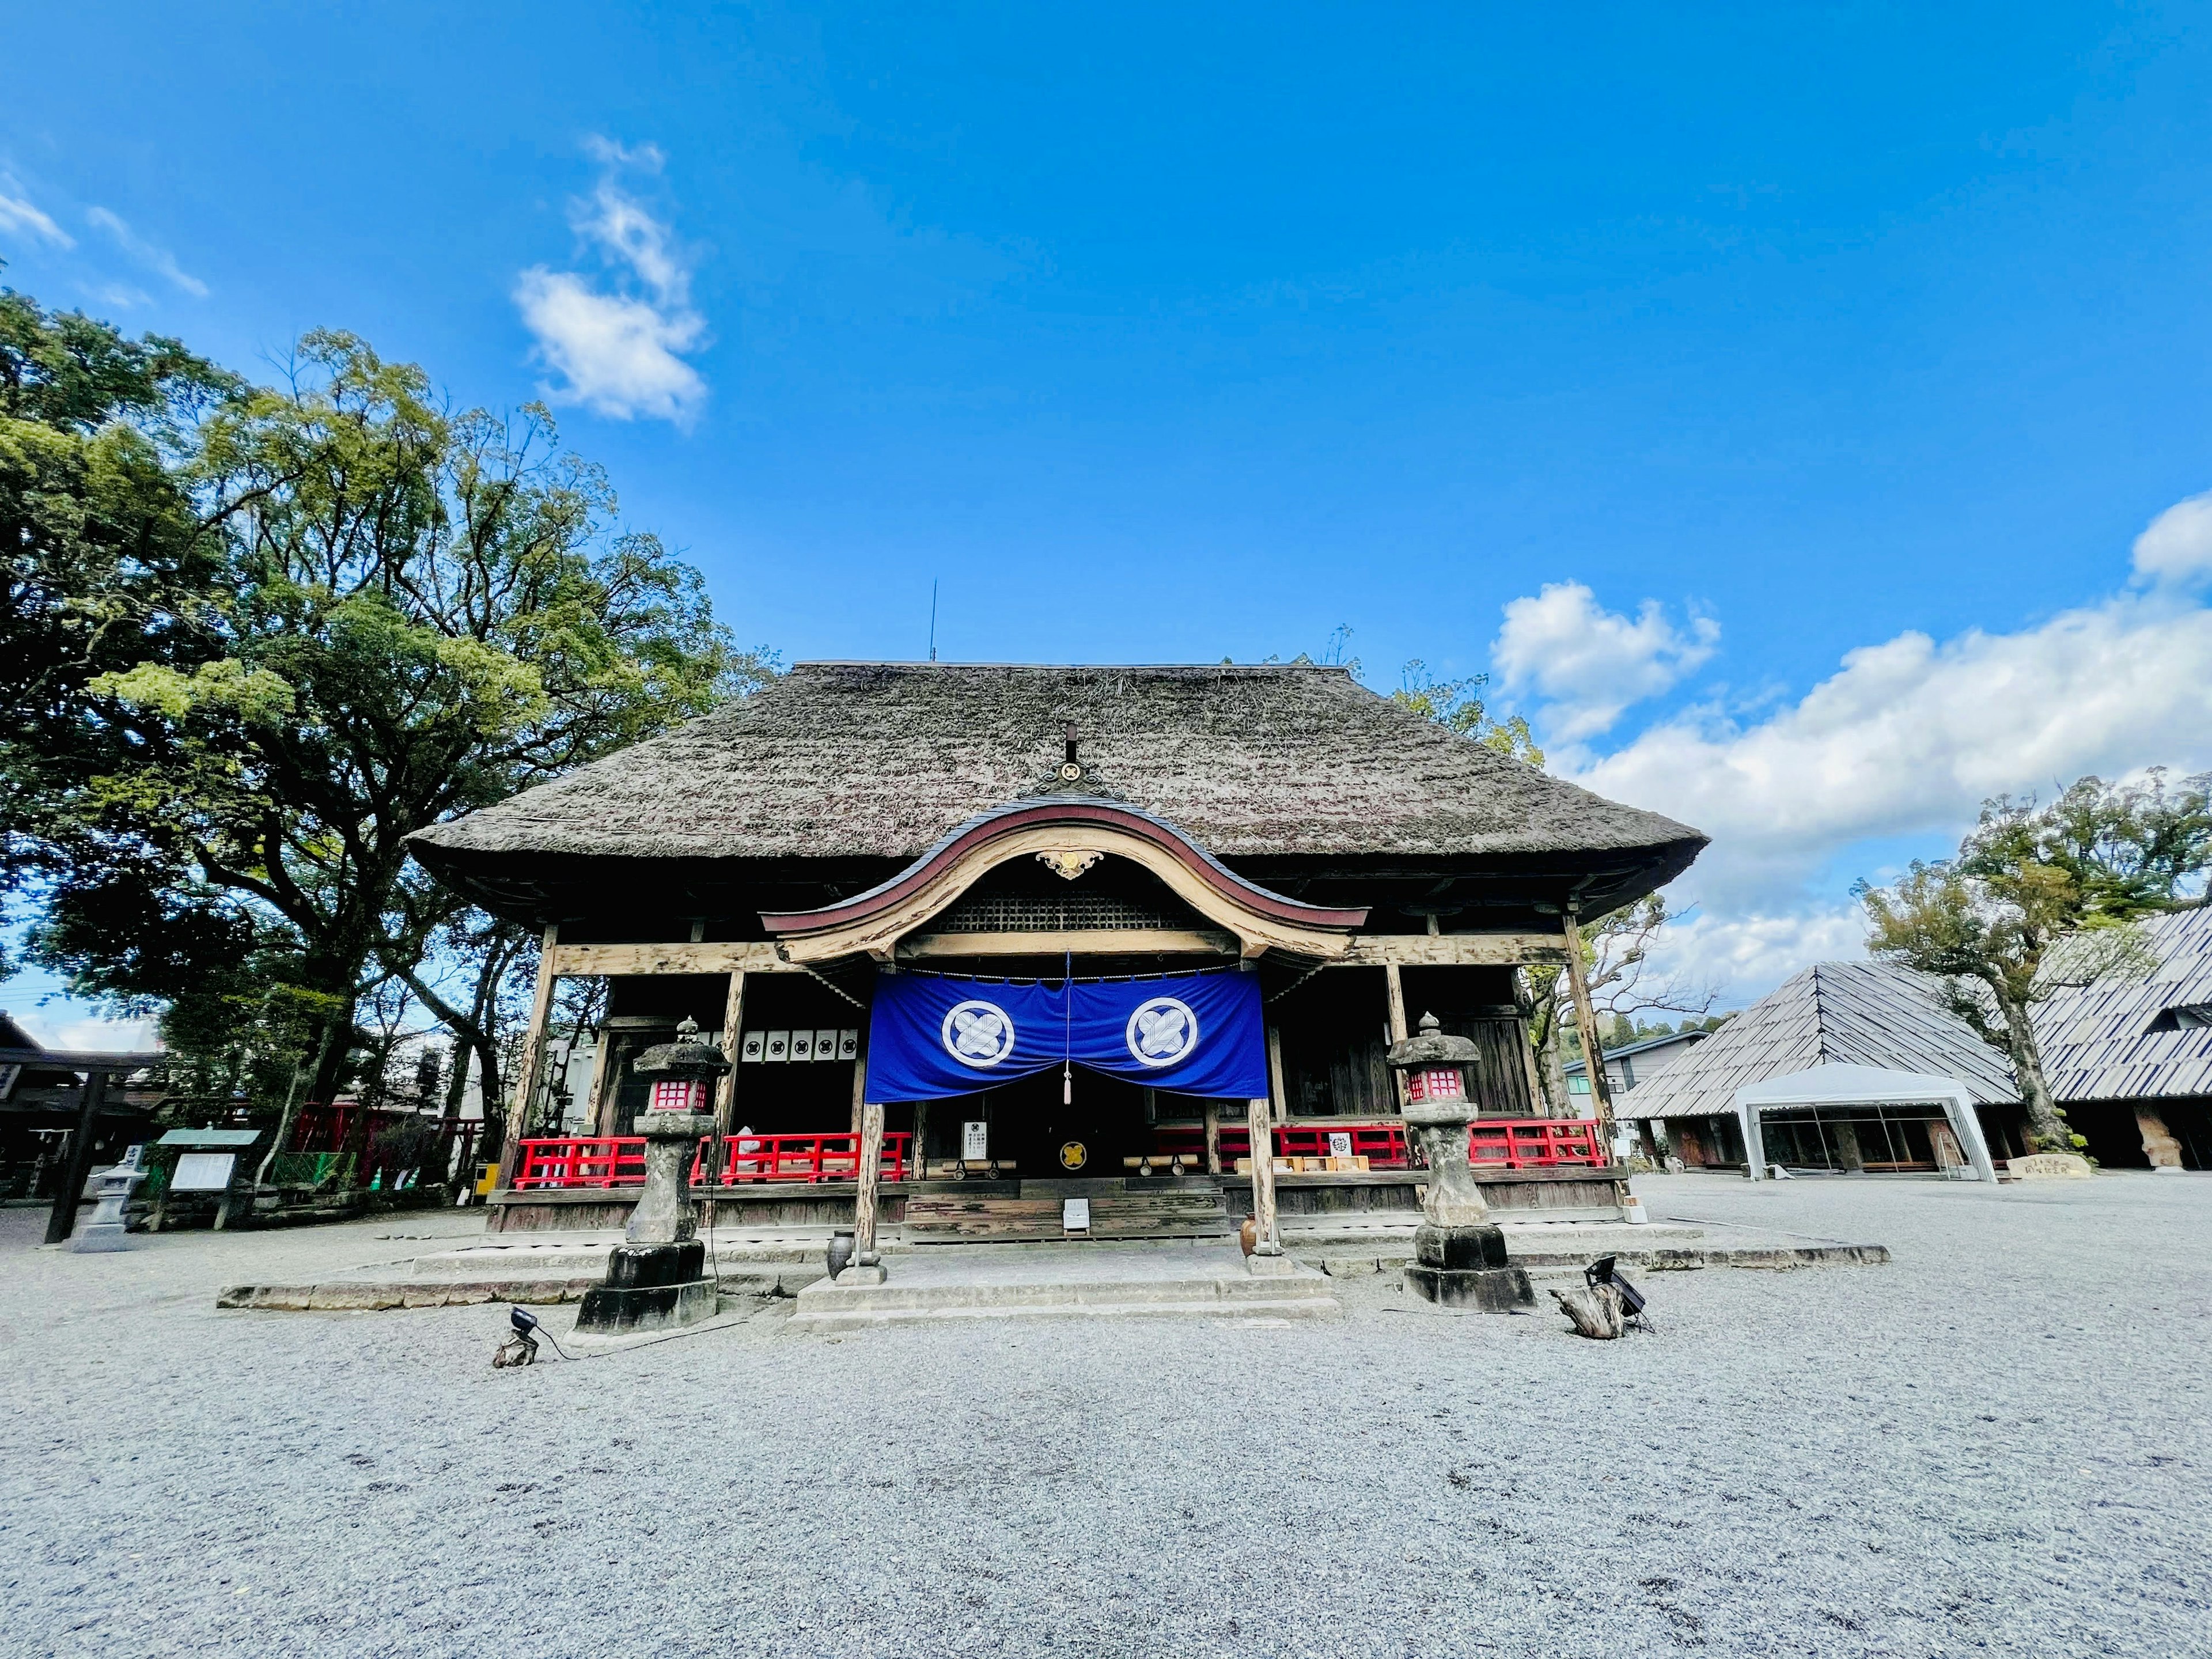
978	938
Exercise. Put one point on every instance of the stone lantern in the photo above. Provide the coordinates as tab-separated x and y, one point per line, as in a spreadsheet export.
1459	1255
656	1277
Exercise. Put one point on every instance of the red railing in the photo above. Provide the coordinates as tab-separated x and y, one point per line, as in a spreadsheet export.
586	1161
752	1158
619	1160
1534	1143
1515	1143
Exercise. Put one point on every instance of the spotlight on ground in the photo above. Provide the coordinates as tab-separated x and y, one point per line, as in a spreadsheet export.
520	1347
1604	1271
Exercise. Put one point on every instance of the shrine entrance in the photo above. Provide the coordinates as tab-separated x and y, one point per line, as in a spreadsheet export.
1081	1139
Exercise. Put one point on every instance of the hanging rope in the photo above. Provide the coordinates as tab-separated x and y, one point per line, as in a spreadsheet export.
1317	968
834	986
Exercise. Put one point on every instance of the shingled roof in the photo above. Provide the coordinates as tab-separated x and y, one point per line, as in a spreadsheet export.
881	759
1851	1013
2136	1037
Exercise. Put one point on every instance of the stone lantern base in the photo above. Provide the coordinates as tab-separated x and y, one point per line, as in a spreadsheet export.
650	1288
1466	1267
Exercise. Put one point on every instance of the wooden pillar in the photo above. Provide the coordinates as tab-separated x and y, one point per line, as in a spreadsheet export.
1277	1092
726	1088
1394	981
1586	1023
866	1196
1213	1136
1538	1102
525	1066
62	1221
918	1148
604	1062
1267	1239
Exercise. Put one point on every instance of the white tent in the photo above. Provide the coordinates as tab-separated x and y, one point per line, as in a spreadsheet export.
1861	1085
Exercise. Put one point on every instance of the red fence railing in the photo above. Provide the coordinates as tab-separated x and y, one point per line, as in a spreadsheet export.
802	1158
1514	1143
619	1160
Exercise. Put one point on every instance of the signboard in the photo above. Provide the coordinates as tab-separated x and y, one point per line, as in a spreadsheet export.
848	1043
753	1047
975	1140
203	1172
825	1045
778	1045
1075	1215
1340	1143
802	1046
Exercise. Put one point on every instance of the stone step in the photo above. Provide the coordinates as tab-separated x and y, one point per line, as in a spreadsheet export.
1229	1294
1183	1214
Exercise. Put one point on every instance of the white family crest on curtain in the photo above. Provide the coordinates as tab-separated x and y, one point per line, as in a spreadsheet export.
1162	1031
978	1034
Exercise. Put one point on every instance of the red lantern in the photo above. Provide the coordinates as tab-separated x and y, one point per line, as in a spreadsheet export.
1434	1083
678	1095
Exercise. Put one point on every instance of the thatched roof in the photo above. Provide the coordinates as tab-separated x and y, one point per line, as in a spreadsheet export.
880	759
1833	1014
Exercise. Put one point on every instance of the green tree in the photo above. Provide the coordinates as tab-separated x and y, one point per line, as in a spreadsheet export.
1457	706
410	613
2040	896
102	549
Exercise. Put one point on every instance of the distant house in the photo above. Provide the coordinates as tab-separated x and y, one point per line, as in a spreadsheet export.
2129	1059
1629	1065
1847	1066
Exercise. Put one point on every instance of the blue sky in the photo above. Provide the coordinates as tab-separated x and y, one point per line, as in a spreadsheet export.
1750	345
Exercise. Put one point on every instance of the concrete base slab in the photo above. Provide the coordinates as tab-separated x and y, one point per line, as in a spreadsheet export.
1201	1280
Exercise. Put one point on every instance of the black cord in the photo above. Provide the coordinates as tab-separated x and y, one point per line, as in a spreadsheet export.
631	1347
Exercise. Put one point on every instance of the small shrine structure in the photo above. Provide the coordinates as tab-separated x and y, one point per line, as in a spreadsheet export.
980	939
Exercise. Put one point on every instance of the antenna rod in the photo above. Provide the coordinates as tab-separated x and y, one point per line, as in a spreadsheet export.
932	619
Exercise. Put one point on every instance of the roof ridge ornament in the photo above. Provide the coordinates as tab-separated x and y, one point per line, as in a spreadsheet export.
1069	864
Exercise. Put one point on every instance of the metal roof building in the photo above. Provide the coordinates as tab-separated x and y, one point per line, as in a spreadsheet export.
2137	1039
1833	1014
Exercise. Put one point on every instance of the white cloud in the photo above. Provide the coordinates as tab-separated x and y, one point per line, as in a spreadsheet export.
1589	664
156	258
616	355
1904	742
619	353
88	1032
18	216
2176	548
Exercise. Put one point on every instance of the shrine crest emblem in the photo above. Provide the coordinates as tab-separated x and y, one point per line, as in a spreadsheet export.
978	1034
1162	1031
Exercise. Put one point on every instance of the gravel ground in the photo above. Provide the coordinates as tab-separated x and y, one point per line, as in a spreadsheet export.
1997	1445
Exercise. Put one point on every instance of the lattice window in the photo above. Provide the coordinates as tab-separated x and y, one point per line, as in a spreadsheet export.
1035	913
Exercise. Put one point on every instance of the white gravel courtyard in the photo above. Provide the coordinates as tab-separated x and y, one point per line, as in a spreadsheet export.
1998	1443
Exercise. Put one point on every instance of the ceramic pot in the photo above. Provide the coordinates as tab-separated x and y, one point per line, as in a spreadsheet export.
840	1253
1249	1234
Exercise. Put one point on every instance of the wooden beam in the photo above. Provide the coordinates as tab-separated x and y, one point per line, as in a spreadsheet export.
1104	942
673	956
1268	1237
525	1066
1450	949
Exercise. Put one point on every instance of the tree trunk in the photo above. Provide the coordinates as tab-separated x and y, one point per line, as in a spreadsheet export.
2046	1124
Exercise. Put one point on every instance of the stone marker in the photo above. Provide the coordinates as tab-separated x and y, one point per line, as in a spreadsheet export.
1459	1255
2049	1166
107	1229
